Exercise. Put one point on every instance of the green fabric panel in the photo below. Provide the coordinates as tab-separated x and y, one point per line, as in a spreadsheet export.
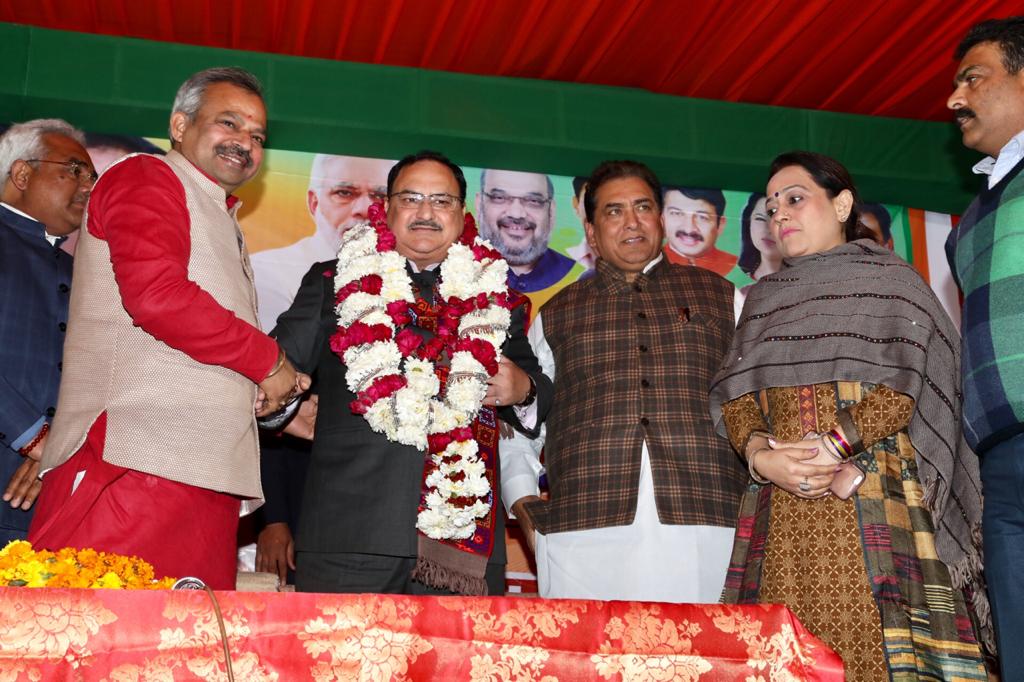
124	85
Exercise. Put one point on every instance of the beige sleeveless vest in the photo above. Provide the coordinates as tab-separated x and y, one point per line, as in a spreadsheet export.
167	414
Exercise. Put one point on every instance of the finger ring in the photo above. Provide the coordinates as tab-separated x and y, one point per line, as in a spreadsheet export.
805	486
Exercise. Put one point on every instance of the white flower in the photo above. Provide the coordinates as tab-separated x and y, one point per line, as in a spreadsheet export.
415	410
434	524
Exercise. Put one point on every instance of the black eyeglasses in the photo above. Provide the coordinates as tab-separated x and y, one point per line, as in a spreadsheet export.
534	201
78	169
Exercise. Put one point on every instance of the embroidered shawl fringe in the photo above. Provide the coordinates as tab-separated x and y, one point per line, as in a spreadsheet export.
443	577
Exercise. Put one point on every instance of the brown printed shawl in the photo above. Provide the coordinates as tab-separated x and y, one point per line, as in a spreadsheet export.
860	313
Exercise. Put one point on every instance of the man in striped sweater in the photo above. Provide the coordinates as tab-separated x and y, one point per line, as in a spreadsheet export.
986	254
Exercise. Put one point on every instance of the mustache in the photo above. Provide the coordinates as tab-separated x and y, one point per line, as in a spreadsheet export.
697	236
517	222
964	114
425	222
235	149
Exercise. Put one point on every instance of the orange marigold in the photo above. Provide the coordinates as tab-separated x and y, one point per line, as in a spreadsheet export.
22	566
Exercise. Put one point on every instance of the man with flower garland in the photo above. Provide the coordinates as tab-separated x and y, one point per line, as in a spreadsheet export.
419	347
644	494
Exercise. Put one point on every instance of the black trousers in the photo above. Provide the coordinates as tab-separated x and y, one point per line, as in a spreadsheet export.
348	572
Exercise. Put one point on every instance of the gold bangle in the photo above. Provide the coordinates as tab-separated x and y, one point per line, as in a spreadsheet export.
281	357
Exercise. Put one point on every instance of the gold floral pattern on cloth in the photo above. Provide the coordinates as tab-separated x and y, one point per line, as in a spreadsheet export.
643	629
48	630
192	643
364	639
515	663
166	636
777	656
530	622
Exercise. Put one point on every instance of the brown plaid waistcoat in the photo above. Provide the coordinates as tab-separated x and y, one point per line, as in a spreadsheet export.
634	361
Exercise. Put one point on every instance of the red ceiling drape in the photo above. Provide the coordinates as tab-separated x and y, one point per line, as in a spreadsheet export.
876	57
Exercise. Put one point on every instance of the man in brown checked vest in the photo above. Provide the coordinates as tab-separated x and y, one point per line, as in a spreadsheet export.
154	443
643	493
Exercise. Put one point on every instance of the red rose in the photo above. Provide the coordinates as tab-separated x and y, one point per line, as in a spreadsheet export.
431	350
399	313
346	291
505	300
359	333
386	241
469	232
371	284
437	442
337	338
383	387
482	351
408	341
375	212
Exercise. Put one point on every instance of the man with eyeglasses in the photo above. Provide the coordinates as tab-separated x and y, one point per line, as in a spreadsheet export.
47	178
516	212
153	448
341	188
357	530
694	220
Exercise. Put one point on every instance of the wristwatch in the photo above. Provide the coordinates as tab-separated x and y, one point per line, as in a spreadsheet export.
531	396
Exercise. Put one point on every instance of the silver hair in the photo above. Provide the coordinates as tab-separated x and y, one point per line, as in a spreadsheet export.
189	98
25	141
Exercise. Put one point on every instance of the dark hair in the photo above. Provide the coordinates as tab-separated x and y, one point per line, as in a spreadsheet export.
750	257
712	196
607	171
547	179
578	183
427	155
1008	32
881	214
831	176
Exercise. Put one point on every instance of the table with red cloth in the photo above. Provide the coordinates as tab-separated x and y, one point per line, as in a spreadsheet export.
67	634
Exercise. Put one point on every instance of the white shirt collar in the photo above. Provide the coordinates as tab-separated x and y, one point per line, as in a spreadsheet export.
415	268
49	237
647	268
1009	156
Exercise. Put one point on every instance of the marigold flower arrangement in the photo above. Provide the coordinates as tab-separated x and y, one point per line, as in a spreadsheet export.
22	566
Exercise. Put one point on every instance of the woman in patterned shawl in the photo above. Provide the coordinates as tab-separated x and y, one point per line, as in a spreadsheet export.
847	341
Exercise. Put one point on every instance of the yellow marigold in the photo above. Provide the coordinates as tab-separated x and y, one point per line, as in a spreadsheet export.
33	573
20	565
109	580
16	550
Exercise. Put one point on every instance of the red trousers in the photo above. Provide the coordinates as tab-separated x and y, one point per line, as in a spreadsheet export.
180	529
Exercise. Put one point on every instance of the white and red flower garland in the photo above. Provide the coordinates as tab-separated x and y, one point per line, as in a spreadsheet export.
392	371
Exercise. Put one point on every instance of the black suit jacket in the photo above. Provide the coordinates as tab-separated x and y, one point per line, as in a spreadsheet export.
362	490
